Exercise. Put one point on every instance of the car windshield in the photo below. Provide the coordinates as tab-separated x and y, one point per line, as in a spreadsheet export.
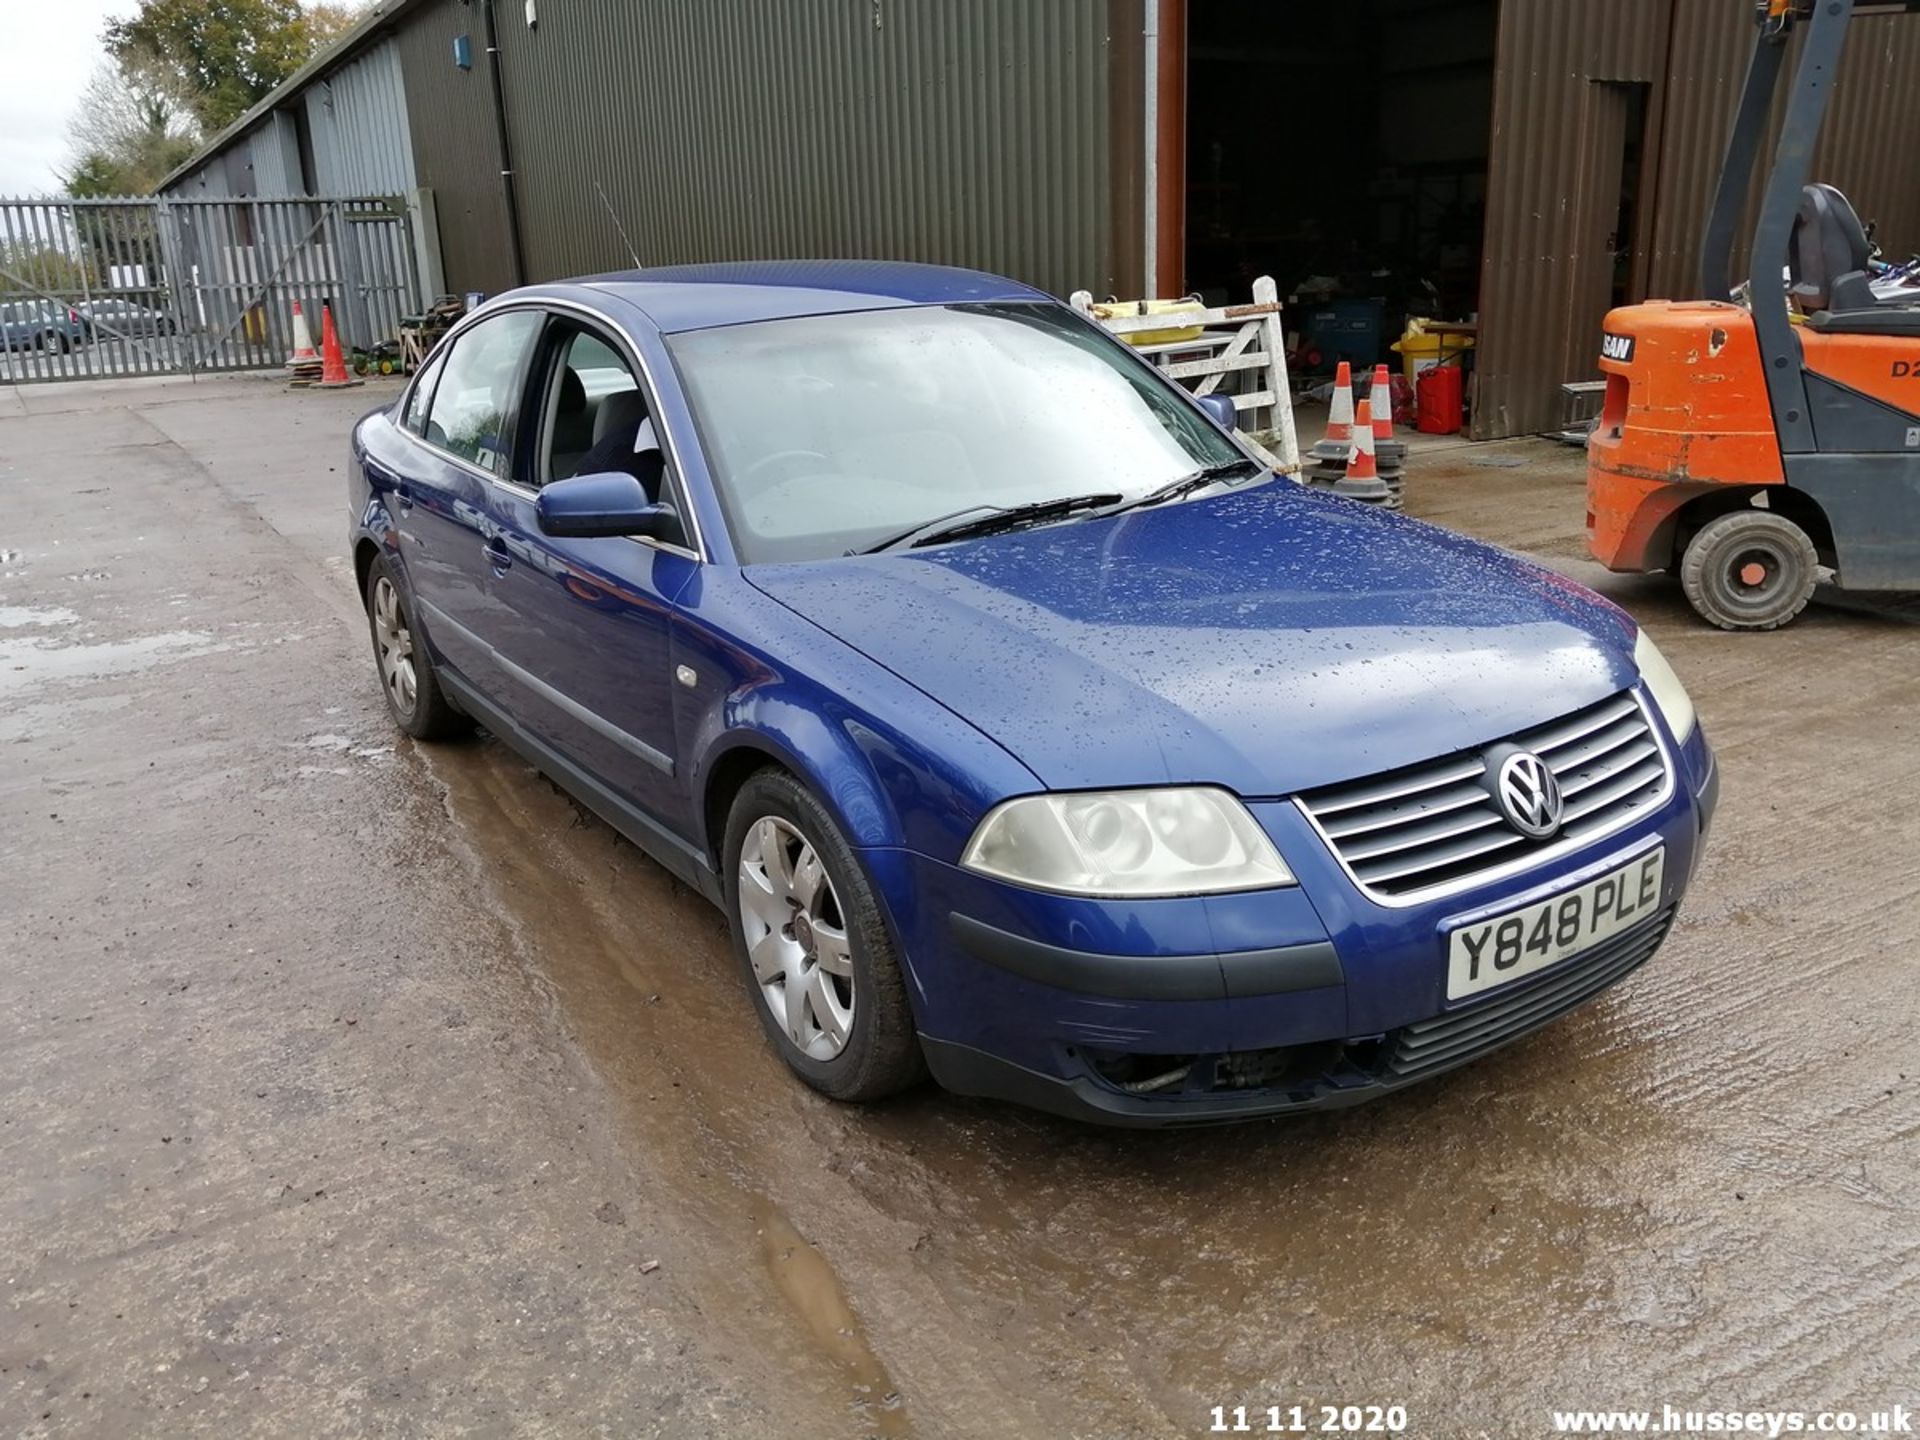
828	434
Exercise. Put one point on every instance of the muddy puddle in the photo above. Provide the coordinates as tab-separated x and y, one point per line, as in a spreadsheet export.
44	645
635	970
936	1257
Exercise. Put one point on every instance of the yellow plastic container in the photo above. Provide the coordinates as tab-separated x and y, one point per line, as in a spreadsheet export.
1172	335
1421	349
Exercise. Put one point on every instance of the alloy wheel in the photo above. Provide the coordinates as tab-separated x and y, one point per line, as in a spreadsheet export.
395	642
796	937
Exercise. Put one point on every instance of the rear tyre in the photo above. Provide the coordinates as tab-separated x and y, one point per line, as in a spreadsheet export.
407	678
822	969
1751	570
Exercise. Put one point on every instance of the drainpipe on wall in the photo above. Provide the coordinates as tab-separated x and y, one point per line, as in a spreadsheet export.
507	190
1170	172
1150	168
1164	172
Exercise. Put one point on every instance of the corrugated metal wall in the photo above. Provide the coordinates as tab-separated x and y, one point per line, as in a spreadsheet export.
1546	267
1546	272
209	182
1866	148
451	120
275	152
359	128
362	137
969	133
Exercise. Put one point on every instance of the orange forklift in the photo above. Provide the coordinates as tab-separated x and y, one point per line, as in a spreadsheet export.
1746	445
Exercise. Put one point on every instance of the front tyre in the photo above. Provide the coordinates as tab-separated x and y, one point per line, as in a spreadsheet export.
407	678
817	956
1751	570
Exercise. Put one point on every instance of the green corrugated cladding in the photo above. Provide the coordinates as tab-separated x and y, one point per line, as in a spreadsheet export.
964	132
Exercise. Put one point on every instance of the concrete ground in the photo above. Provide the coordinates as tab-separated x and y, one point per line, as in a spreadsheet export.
349	1087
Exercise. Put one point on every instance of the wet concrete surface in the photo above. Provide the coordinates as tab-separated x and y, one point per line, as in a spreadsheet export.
352	1087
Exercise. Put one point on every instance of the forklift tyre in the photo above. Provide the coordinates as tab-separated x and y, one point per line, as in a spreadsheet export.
1751	570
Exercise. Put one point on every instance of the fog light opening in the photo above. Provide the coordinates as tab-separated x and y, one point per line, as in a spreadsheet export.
1141	1074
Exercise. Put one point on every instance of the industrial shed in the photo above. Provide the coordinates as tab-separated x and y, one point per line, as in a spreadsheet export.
1521	163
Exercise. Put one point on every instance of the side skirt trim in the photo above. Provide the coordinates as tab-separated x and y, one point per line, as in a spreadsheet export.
678	857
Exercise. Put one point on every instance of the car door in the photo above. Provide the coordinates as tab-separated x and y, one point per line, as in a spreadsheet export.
585	624
463	414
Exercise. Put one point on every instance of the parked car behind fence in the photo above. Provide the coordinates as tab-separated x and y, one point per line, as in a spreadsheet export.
122	319
40	325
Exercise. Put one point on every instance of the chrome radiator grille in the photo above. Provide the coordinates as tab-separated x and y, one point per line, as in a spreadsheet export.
1436	826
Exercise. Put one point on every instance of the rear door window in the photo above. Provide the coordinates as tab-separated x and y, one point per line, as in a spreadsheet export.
475	405
421	395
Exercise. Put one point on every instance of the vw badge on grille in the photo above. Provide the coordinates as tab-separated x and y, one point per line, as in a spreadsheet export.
1528	794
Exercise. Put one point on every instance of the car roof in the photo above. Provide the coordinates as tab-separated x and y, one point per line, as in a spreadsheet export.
699	297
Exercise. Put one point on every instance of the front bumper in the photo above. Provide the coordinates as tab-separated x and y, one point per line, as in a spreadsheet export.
1208	1010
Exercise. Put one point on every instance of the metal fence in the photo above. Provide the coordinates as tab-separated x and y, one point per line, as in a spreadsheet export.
146	286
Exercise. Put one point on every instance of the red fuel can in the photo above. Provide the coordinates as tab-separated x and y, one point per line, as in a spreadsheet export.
1438	400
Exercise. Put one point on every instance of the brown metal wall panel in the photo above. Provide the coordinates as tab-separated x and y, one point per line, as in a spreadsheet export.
965	133
1868	148
450	115
1865	148
1712	43
1548	213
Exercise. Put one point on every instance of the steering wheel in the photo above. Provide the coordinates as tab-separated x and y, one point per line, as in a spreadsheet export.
780	457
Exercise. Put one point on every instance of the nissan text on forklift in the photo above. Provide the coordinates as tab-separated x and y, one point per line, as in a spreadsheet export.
1747	444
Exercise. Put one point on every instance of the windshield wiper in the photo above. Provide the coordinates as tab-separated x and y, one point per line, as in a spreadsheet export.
995	520
1188	483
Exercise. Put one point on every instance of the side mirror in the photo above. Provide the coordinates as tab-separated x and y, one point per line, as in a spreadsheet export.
1221	407
612	503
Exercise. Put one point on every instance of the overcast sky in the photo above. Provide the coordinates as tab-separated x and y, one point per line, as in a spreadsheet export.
51	49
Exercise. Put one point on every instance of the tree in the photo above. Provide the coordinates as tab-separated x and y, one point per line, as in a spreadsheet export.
225	55
328	20
132	127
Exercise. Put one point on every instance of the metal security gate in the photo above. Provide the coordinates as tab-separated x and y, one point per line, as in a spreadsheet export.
91	289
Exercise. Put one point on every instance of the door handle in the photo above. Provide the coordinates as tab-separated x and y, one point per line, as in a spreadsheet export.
497	556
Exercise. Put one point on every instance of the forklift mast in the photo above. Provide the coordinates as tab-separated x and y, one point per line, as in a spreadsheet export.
1798	448
1825	22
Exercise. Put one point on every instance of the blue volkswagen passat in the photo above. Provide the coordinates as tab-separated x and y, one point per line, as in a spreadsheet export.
1027	730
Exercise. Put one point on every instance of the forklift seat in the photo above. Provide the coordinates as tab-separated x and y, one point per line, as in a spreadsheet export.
1828	266
1829	254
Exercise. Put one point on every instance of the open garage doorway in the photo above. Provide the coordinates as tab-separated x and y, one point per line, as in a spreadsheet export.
1342	149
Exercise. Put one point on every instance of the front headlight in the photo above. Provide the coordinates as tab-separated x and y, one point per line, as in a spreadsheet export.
1664	686
1127	843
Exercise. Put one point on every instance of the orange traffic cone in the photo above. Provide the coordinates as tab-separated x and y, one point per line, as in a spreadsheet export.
1380	393
1388	453
1339	437
1362	480
304	356
334	374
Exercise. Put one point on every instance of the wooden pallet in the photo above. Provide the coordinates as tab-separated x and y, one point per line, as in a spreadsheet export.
1235	340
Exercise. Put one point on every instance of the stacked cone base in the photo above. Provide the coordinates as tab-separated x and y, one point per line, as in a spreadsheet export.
1394	477
1384	491
1323	471
1373	492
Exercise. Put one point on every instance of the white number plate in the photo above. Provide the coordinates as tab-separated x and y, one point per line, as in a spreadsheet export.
1492	952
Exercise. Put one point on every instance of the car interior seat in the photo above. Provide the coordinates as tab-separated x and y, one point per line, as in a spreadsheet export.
573	426
619	417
